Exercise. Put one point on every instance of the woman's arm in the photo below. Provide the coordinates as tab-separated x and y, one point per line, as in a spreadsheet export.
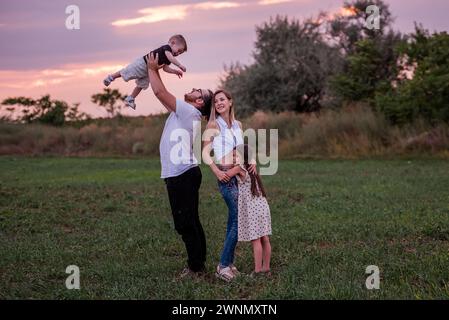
221	175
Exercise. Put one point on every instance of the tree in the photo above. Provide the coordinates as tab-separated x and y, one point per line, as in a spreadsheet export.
292	63
369	69
109	100
73	114
43	110
425	93
371	56
349	28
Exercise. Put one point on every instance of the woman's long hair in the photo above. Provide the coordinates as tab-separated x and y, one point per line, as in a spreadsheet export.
257	188
212	119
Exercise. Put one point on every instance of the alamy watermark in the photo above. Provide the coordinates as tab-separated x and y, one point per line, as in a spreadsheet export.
73	21
262	143
373	280
373	20
73	280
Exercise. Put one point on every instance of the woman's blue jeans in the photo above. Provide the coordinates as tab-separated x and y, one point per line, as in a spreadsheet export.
230	192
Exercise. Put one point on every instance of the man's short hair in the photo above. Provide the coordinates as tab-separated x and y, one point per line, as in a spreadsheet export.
179	39
207	98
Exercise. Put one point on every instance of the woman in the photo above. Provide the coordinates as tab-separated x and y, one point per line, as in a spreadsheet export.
223	134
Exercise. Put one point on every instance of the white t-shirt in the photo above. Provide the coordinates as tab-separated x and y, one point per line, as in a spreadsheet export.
227	139
176	146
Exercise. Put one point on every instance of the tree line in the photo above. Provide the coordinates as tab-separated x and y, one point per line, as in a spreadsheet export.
58	112
327	61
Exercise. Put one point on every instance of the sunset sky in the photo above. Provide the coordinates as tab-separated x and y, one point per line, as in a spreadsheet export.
39	55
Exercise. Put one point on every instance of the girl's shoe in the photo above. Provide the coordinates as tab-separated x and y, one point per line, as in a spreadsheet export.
267	273
129	102
108	80
185	273
255	274
225	273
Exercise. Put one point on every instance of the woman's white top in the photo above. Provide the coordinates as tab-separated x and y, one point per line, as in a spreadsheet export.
227	139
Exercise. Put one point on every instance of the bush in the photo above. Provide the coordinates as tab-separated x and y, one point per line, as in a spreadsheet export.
426	94
354	131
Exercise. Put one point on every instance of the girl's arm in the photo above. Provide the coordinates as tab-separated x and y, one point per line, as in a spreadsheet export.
234	171
173	60
242	174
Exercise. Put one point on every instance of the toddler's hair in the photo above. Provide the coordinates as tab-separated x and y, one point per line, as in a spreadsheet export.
179	39
257	188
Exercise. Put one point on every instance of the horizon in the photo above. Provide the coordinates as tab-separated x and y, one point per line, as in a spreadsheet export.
43	57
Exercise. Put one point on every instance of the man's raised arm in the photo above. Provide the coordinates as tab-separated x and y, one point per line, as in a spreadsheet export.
165	97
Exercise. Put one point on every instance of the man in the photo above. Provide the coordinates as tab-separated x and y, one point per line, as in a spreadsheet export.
182	178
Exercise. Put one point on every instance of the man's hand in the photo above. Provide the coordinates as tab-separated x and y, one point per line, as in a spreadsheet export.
182	68
153	61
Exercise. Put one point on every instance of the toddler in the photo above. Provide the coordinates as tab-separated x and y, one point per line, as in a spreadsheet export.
138	69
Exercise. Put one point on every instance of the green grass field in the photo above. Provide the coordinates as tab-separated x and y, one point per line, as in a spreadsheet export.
331	219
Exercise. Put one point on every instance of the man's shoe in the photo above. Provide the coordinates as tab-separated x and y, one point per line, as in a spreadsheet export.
189	273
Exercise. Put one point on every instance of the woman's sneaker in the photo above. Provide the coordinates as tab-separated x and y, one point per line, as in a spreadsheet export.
234	270
129	102
108	80
225	273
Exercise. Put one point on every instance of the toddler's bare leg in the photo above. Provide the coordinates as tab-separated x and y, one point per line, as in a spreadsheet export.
136	92
116	75
111	77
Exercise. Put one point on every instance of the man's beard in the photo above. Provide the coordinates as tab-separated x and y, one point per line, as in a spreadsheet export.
189	98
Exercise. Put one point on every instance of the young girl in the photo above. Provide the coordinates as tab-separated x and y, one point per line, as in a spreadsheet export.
254	220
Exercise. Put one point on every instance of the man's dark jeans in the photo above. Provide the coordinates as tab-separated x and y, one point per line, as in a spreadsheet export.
183	193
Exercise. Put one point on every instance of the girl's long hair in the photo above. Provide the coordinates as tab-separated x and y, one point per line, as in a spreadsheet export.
257	188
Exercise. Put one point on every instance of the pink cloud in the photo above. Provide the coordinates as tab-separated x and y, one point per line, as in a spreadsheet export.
173	12
272	2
